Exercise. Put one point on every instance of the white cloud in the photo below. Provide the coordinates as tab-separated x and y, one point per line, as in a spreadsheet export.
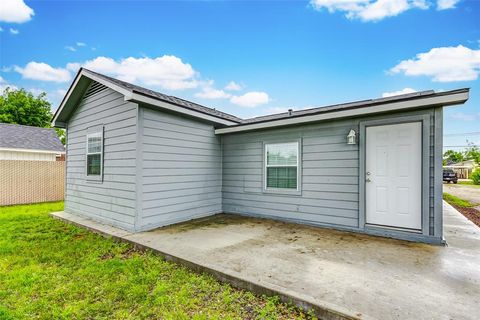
44	72
73	66
233	86
81	44
4	84
466	116
250	99
369	10
70	48
446	4
60	92
167	72
56	96
399	92
15	11
36	91
14	31
444	64
212	93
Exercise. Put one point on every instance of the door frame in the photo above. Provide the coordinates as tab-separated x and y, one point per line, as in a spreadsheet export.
425	141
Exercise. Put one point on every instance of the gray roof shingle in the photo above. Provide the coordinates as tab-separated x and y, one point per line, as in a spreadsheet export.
16	136
170	99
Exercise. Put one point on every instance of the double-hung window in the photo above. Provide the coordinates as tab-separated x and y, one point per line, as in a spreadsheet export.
281	166
95	153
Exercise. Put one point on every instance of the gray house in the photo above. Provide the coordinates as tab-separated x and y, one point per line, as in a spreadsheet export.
138	159
19	142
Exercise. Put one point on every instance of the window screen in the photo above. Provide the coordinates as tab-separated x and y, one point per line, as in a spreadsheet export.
281	165
94	153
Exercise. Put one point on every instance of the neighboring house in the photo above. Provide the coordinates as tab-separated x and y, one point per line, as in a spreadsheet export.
463	168
18	142
138	160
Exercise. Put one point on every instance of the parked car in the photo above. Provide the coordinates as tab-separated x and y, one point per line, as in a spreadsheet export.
450	175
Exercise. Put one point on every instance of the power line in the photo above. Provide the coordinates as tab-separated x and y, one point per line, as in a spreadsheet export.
461	134
456	146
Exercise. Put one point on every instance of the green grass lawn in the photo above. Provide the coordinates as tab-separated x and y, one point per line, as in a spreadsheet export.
456	201
51	270
468	183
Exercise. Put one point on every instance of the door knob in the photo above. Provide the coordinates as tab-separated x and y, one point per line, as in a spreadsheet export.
368	180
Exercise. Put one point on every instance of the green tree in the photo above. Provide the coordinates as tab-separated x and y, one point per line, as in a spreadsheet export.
451	156
472	152
61	135
22	107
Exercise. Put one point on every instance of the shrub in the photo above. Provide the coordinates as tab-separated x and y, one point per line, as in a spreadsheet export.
476	176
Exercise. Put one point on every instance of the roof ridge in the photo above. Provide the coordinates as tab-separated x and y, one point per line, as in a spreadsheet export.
24	125
159	95
214	109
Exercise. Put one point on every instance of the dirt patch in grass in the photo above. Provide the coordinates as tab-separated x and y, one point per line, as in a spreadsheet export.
107	256
130	252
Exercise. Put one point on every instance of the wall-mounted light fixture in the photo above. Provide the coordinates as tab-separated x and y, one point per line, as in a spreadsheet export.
352	137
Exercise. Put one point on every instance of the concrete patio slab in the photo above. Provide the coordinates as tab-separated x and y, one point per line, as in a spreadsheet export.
339	274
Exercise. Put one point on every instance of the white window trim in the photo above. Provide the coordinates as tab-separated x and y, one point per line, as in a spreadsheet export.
290	191
94	131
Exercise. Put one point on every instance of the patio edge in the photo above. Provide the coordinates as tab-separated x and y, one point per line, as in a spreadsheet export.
322	312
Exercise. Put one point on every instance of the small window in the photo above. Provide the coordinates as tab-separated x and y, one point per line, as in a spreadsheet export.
95	154
281	166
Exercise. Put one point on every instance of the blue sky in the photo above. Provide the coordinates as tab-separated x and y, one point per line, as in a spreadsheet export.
252	58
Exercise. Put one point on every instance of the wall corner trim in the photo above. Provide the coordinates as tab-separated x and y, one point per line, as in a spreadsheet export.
139	170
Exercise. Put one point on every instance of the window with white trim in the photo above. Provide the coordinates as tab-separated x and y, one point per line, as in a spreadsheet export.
281	166
95	153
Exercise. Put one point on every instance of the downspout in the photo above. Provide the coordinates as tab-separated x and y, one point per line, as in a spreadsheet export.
221	171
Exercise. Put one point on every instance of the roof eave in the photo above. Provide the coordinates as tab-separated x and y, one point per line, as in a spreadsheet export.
454	97
32	150
74	93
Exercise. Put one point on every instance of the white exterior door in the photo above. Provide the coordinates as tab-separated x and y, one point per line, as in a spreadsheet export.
393	175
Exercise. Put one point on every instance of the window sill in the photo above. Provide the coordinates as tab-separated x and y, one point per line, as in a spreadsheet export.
94	179
291	192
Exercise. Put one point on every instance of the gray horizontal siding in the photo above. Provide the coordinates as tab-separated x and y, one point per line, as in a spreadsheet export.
329	167
181	169
113	200
329	173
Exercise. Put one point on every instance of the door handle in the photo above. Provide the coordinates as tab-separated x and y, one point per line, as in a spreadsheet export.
368	180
